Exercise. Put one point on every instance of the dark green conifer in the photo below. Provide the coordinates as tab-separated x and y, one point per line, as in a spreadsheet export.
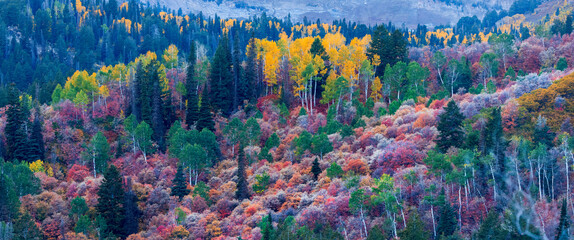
563	230
179	188
450	128
242	184
316	169
111	201
192	113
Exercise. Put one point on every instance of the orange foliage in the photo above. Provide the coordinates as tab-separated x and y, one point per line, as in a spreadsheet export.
357	166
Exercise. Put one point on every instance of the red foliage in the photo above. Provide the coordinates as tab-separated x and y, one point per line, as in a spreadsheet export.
357	166
78	173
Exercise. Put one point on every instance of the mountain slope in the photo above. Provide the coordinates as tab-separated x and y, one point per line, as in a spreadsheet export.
409	12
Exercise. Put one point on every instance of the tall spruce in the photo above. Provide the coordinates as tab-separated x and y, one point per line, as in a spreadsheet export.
242	184
447	221
415	229
179	182
252	92
221	78
132	213
111	201
37	140
205	118
450	128
14	132
316	169
563	229
192	113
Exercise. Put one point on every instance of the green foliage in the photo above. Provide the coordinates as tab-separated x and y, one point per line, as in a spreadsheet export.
394	106
142	135
201	189
110	202
563	229
100	152
25	228
562	64
335	170
321	145
261	184
450	128
346	131
415	229
447	224
179	188
358	200
234	131
205	119
9	202
242	191
510	73
20	176
303	143
490	87
252	131
272	141
302	112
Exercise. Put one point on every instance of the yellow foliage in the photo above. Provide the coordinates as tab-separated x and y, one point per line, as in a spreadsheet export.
376	89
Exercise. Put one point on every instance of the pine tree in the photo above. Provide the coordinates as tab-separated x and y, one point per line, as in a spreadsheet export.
111	201
14	120
316	169
415	229
205	118
490	228
179	188
221	78
192	113
450	128
266	226
25	228
242	184
447	221
37	140
132	213
251	91
563	230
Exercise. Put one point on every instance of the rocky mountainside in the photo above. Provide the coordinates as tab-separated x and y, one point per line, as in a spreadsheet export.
409	12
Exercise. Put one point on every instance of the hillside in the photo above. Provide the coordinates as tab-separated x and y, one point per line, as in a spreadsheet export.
409	12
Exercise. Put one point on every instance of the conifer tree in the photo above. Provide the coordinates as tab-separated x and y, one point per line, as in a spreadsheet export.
111	201
132	213
251	92
490	228
25	228
221	78
450	128
205	119
13	131
179	188
563	230
447	221
316	169
192	113
242	184
36	141
415	229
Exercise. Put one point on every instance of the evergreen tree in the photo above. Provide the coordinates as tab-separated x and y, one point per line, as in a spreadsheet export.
111	201
242	191
132	213
321	145
450	128
192	113
250	87
205	118
266	226
447	221
562	64
179	188
316	169
25	228
37	141
415	229
376	233
490	228
13	131
563	230
221	78
9	202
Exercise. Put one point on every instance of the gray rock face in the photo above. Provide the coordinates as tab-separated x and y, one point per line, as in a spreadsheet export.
408	12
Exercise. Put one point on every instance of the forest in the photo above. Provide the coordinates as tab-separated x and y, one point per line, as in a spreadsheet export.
120	120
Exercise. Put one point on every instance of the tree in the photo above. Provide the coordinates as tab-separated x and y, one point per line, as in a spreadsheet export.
447	221
242	191
9	202
100	149
233	131
303	142
179	188
358	203
192	113
221	78
334	170
415	229
25	228
36	141
490	228
252	131
316	169
143	134
130	125
563	229
562	64
194	158
111	201
450	128
14	120
438	62
205	119
321	145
